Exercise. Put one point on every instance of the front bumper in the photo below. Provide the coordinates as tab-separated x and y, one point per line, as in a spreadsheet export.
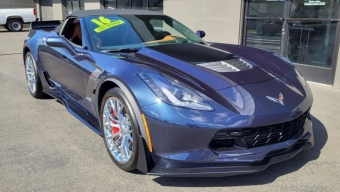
234	162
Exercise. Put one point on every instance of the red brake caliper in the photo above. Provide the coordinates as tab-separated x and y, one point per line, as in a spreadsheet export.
115	127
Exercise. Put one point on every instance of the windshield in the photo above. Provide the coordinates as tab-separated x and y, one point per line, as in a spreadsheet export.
113	32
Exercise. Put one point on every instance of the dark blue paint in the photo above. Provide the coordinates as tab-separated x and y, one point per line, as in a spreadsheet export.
180	136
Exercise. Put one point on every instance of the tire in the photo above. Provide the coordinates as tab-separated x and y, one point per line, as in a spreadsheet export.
15	25
259	31
6	27
32	77
119	126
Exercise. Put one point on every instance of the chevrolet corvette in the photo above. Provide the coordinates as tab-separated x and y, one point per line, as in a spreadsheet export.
165	101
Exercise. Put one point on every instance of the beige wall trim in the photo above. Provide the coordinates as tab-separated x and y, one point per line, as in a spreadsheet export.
37	8
90	4
58	10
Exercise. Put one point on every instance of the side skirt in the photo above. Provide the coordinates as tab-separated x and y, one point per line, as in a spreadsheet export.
75	114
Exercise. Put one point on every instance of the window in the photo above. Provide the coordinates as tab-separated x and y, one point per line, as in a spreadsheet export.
110	4
123	4
74	6
153	5
314	9
116	32
139	4
264	8
265	34
311	42
72	31
304	31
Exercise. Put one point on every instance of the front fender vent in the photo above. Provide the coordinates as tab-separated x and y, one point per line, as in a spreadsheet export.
232	65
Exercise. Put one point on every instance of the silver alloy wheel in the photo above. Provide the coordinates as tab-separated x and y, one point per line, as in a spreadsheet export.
30	74
117	130
16	26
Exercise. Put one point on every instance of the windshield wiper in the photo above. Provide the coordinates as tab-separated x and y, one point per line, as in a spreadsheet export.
121	50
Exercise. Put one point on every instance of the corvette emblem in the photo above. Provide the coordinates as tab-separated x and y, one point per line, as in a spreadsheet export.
279	100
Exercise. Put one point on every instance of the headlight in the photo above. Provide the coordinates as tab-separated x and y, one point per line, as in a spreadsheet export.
174	93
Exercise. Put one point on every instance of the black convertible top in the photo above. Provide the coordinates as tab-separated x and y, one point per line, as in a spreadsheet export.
92	12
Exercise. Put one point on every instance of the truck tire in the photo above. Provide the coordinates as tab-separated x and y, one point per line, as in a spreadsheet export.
15	25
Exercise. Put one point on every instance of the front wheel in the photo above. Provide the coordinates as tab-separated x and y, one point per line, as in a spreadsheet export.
119	129
32	77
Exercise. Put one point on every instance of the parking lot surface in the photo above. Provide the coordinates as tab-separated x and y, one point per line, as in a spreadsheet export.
44	148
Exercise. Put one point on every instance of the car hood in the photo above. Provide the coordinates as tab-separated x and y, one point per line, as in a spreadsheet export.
217	67
245	80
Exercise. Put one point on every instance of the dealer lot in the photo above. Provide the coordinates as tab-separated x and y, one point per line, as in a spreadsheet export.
44	148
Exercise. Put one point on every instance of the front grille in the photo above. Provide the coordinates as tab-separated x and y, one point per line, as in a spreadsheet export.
259	136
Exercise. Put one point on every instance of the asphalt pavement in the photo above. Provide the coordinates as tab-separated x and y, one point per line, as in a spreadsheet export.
44	148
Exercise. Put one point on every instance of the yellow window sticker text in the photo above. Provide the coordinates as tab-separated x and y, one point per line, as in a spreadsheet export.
105	23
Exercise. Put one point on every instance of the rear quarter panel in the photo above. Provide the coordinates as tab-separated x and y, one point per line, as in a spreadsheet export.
34	39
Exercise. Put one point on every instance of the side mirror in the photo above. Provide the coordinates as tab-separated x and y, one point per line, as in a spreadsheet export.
201	34
62	43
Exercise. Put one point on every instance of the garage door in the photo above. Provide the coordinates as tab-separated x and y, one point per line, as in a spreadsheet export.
46	10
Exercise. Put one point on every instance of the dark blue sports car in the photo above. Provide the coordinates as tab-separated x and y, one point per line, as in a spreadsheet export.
165	101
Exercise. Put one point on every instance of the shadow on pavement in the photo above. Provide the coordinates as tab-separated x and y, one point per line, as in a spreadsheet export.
267	176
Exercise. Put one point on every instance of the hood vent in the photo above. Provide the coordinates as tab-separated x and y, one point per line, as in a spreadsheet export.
232	65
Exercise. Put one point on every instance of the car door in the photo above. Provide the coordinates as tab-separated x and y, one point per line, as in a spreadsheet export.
62	60
64	70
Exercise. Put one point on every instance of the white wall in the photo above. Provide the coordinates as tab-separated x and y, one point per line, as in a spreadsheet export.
220	19
89	4
58	10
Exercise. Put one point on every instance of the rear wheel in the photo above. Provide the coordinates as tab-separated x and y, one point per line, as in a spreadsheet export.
32	77
6	27
15	25
119	129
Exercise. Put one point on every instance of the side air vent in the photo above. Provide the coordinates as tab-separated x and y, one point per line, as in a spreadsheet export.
47	78
232	65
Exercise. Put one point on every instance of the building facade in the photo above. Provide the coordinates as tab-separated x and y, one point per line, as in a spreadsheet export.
60	9
305	31
7	4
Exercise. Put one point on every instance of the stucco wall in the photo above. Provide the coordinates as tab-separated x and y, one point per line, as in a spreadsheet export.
58	10
90	4
220	19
